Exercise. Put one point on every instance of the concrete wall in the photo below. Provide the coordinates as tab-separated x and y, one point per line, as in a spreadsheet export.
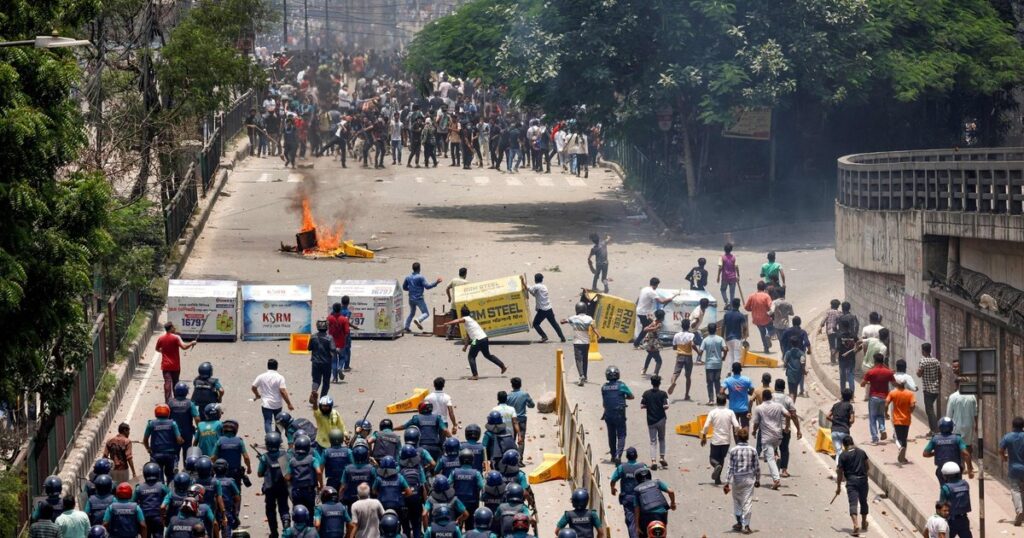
1002	261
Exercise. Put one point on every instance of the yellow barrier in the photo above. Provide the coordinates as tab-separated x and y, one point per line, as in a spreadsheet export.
823	443
592	352
757	360
693	427
409	404
298	343
553	467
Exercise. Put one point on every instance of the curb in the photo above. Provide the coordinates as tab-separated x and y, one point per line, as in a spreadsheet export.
89	439
899	498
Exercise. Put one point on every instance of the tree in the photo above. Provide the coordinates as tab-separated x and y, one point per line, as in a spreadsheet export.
52	222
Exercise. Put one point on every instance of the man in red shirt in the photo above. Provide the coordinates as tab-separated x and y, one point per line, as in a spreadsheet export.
170	345
758	304
338	327
879	379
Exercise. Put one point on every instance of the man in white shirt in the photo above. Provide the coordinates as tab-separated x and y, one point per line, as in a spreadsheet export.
723	423
344	99
582	325
269	389
366	513
73	523
683	343
442	403
646	304
508	413
544	310
937	526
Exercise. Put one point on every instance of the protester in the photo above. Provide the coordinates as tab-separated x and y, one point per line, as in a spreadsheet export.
415	284
441	403
735	329
758	304
741	476
646	306
544	310
723	423
73	523
169	346
655	402
829	326
119	450
698	276
963	409
1011	449
771	271
712	348
683	342
842	417
852	466
879	378
728	274
339	327
520	400
652	343
269	389
902	402
768	419
930	372
477	342
582	326
738	388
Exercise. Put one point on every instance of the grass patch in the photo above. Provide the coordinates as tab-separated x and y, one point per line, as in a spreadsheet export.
133	331
103	393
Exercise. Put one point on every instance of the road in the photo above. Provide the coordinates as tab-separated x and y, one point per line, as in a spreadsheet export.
494	224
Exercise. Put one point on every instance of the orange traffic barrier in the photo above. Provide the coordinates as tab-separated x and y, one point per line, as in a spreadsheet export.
823	443
757	360
409	404
693	427
298	343
553	467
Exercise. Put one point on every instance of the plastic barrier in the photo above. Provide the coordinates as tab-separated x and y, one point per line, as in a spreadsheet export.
759	361
593	354
298	343
409	404
552	468
823	442
693	427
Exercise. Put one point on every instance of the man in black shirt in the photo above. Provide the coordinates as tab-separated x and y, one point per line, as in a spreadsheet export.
842	417
698	276
598	260
853	466
655	401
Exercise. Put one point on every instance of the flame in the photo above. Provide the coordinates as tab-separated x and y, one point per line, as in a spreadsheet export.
327	238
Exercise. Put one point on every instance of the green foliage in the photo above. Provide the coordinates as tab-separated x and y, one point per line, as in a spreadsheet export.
53	225
103	393
138	246
11	486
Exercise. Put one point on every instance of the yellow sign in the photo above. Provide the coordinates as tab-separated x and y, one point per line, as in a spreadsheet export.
500	306
614	317
754	123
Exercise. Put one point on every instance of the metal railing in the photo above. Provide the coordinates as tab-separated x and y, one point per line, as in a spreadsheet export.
983	180
573	440
662	186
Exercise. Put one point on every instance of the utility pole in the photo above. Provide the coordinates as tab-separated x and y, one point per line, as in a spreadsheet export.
327	26
284	43
305	17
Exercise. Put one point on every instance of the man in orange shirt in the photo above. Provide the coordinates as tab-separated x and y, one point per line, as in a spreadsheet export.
758	304
903	402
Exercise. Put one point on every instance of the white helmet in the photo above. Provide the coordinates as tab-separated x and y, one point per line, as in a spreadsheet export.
950	468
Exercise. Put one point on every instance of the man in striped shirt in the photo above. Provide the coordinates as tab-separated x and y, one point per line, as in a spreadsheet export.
744	469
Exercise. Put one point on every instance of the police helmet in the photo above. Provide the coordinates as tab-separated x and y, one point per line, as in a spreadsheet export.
284	418
212	411
180	390
182	481
631	453
205	369
364	426
612	373
197	491
441	514
521	522
566	533
643	475
97	531
272	441
360	454
946	425
950	468
386	424
190	506
300	515
152	472
230	427
412	436
204	467
466	457
408	452
425	408
494	418
103	484
326	404
482	518
580	499
388	466
336	437
389	525
473	432
53	486
102	466
329	495
581	307
441	483
162	411
514	493
451	446
510	458
220	467
190	462
656	530
493	479
124	491
302	445
360	441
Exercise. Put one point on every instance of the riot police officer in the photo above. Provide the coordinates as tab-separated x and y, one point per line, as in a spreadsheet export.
162	439
433	429
230	495
626	473
212	496
498	438
472	443
124	518
584	522
185	414
292	426
331	518
303	474
180	525
508	510
493	493
449	461
390	525
301	523
150	494
231	449
957	492
275	487
390	487
100	466
946	447
97	504
614	394
412	437
385	442
335	458
650	501
206	389
443	494
355	473
52	486
442	525
467	481
411	468
482	519
179	491
510	467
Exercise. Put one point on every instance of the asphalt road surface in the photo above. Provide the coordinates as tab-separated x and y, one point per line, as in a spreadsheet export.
495	224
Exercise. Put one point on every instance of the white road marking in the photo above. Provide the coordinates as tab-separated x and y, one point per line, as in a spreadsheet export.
482	180
543	181
294	178
576	182
264	177
513	182
142	386
419	180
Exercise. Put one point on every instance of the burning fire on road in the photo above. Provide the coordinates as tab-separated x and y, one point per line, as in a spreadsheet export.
317	239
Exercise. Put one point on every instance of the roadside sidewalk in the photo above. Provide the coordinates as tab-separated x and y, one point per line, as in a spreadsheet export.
912	487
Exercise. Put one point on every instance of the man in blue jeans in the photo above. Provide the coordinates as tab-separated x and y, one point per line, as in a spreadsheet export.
416	284
879	378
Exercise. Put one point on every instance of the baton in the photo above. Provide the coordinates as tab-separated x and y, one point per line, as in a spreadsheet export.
834	497
354	434
201	327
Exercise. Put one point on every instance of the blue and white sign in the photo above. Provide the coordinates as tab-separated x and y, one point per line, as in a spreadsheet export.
276	312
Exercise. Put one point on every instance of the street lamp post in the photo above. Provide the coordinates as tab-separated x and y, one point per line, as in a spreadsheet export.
284	44
48	42
305	16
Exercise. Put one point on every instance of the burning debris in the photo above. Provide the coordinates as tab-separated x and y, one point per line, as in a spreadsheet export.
316	239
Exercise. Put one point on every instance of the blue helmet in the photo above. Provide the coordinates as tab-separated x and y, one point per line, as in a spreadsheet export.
408	452
389	525
441	483
182	481
451	446
388	466
102	466
473	432
442	513
284	419
514	493
946	425
103	484
97	531
152	472
494	479
212	411
364	426
180	390
510	458
190	462
205	369
482	518
300	515
360	454
631	454
412	436
272	441
329	495
580	499
302	445
494	418
204	467
220	467
566	533
53	486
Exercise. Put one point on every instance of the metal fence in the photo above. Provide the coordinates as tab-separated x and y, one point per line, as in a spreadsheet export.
663	187
573	441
